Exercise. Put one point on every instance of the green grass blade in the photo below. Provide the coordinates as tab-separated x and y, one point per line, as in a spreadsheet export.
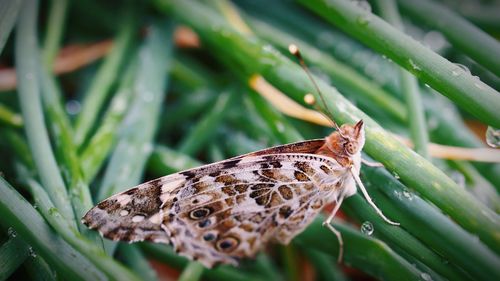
192	272
56	24
343	76
27	62
66	150
139	125
206	128
165	160
135	260
462	34
427	223
9	11
409	86
100	144
105	77
449	79
86	247
12	254
10	118
39	270
32	228
373	256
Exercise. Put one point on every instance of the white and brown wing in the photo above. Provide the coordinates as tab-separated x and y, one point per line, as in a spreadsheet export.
224	211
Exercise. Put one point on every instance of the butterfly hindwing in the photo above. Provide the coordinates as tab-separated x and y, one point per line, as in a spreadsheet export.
221	212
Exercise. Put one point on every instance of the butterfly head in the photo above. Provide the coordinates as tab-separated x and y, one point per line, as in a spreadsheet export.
345	144
352	137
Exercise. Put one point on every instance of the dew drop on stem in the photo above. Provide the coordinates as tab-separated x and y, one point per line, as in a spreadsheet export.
459	69
31	252
407	194
493	137
367	228
425	276
11	232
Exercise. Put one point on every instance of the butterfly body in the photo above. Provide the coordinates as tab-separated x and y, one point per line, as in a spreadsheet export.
225	211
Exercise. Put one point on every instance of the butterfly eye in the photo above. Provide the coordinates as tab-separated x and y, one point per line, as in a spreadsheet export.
199	213
227	244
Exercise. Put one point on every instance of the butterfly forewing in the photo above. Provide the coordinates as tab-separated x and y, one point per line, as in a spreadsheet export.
224	211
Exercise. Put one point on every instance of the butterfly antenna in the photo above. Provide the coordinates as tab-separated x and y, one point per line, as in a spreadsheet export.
294	50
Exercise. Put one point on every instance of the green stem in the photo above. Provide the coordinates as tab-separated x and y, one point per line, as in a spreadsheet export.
105	77
86	247
192	272
9	11
33	229
469	93
409	86
95	153
56	24
12	254
10	118
138	128
461	33
27	62
135	260
343	76
206	128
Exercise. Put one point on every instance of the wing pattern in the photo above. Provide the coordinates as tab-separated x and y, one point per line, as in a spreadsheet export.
222	212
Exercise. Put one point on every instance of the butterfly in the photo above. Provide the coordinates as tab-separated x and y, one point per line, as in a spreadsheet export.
228	210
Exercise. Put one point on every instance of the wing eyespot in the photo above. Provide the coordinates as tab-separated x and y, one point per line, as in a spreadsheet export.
227	244
199	213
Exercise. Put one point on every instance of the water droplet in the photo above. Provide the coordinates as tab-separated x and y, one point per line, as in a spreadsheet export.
363	5
396	175
363	20
398	194
31	252
493	137
367	228
52	211
425	276
414	66
427	85
459	70
479	84
73	107
407	194
11	232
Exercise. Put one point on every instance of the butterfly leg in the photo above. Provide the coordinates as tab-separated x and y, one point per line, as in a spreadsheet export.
372	164
369	199
328	223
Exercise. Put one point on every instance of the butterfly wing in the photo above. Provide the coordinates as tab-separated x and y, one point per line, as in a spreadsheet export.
224	211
